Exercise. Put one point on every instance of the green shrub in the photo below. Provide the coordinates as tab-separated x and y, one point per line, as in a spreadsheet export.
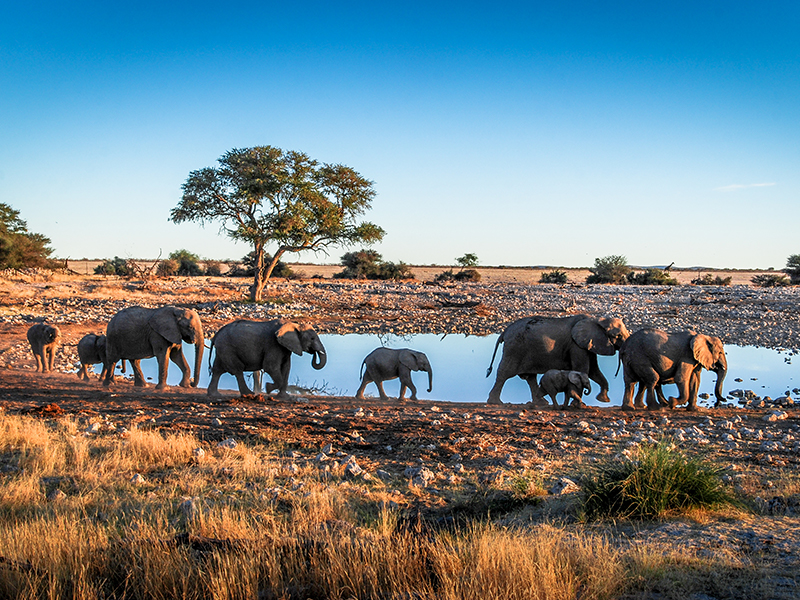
463	275
167	267
20	248
767	280
554	276
609	269
117	266
652	277
656	481
793	268
469	260
187	263
368	264
213	268
707	279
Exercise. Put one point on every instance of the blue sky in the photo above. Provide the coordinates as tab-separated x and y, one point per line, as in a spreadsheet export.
528	133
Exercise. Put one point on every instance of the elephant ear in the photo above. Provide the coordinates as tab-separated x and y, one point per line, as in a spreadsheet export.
289	338
589	335
165	323
702	350
576	378
409	360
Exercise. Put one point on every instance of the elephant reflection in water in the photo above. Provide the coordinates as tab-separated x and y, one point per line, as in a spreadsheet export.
383	364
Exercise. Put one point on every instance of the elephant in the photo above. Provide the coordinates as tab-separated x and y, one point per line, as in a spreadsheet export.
383	364
135	333
653	357
572	383
92	350
534	345
44	339
262	346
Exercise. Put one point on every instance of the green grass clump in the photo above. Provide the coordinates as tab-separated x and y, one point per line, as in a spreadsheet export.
656	481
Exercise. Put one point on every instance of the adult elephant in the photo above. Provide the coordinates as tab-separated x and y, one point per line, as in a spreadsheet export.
135	333
652	357
262	346
534	345
383	364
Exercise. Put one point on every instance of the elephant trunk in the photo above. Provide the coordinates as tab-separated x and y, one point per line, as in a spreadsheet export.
320	358
721	372
587	388
430	378
199	347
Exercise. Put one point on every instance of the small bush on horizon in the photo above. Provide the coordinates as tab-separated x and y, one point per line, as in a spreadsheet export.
469	260
657	480
707	279
117	266
767	280
187	263
368	264
610	269
554	276
167	268
793	268
213	268
652	277
463	275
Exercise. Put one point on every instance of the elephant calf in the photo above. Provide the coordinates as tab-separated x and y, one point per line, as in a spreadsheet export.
91	351
571	383
44	339
383	364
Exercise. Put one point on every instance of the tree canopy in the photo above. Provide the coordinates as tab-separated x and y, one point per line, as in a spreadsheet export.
20	248
265	195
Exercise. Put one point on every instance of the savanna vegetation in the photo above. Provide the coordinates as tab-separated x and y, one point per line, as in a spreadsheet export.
265	195
20	248
146	514
369	264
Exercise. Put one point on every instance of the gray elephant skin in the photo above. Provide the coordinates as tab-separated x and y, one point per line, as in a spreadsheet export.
262	346
652	357
573	384
383	364
534	345
92	351
136	333
44	339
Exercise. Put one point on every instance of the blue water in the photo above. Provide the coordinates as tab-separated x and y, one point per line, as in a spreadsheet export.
459	368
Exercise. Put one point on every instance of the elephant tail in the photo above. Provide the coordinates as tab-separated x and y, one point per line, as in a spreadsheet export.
210	351
361	373
496	346
619	363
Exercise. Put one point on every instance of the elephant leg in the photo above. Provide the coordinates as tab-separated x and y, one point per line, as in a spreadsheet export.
503	374
413	389
243	389
82	374
536	393
406	382
138	376
627	396
652	398
638	401
596	375
660	393
213	385
364	382
177	357
379	383
694	387
257	381
574	399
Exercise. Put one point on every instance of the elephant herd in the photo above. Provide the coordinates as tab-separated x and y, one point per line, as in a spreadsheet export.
562	350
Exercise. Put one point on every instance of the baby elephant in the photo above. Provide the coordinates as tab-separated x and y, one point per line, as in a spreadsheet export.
92	350
44	339
572	383
383	364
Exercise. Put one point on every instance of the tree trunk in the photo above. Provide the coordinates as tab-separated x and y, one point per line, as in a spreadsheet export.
257	289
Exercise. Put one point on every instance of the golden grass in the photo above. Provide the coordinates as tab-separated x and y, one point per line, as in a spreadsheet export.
258	533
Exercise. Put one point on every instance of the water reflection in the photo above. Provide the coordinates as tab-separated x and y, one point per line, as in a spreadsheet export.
460	362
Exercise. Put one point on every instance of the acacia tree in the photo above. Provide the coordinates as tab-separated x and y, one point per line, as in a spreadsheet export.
266	195
20	248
